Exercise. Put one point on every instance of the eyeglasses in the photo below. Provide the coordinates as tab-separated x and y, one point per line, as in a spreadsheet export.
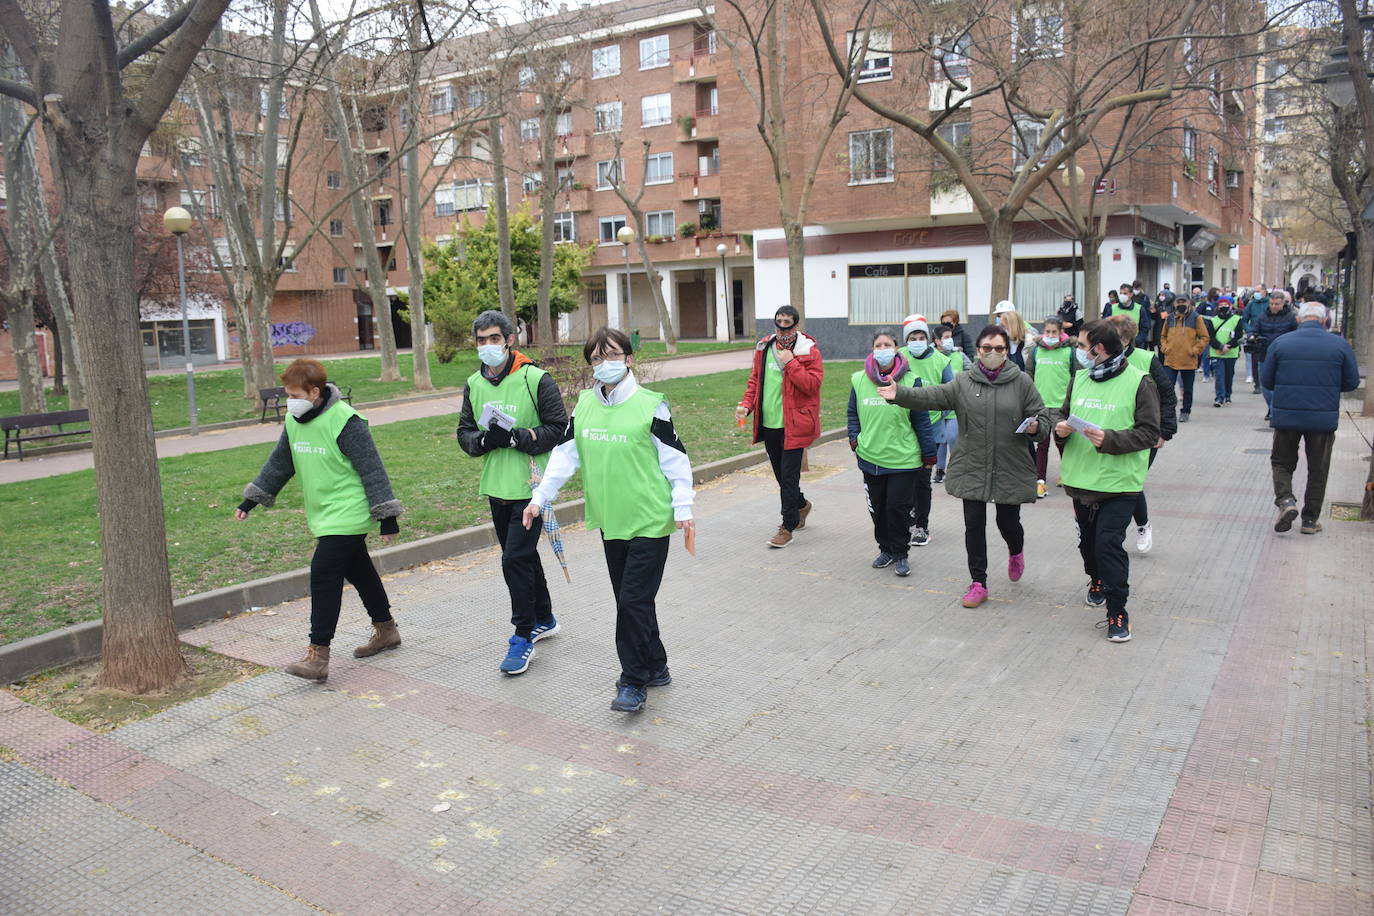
604	355
987	349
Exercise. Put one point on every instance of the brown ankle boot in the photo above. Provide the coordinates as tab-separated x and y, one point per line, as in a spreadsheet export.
315	665
384	636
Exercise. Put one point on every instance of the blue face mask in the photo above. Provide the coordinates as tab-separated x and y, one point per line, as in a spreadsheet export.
997	320
884	358
918	348
1084	359
610	371
491	354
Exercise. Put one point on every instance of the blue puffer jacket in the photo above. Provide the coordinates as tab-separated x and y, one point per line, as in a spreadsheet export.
1307	370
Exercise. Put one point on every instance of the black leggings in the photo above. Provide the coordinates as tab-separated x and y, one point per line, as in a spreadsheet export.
340	557
976	534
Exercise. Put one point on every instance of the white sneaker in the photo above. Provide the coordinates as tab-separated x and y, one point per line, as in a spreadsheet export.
1249	380
1144	538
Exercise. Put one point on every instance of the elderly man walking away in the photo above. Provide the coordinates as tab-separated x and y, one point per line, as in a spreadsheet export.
1307	370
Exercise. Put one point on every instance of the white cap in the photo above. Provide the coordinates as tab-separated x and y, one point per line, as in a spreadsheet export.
1006	305
915	323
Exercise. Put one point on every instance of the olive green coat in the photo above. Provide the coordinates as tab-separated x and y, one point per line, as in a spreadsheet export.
990	462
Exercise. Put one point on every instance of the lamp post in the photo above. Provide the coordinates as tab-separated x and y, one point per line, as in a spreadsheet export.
626	237
1073	177
177	221
725	291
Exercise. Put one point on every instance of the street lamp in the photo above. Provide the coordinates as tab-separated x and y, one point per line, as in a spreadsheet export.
1073	178
177	221
725	288
626	237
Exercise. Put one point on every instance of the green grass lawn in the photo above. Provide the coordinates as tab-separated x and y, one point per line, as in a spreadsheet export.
219	392
51	530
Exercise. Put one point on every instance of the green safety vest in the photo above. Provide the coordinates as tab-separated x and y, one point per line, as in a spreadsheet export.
931	370
1131	310
1223	332
771	396
335	501
1111	405
1052	373
626	492
886	437
1141	359
506	471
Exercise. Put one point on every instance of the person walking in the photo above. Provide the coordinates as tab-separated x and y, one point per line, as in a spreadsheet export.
637	483
962	342
1150	364
1067	313
894	448
958	362
1146	319
1005	316
346	493
1000	411
1306	369
1049	366
1204	304
1275	321
1256	304
508	381
784	395
1226	332
933	368
1116	409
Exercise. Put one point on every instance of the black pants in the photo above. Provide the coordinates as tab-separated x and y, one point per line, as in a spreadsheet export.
889	503
1283	458
530	604
1101	529
1183	378
786	464
976	534
920	508
1142	508
636	568
340	557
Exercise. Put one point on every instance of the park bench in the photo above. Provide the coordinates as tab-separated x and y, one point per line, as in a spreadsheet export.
274	399
37	426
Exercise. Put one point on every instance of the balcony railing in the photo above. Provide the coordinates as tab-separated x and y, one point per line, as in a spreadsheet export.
698	185
705	125
698	67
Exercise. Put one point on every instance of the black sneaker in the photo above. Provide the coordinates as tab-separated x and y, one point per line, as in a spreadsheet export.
1183	417
1095	596
903	567
1288	510
939	477
662	679
1118	626
883	560
629	699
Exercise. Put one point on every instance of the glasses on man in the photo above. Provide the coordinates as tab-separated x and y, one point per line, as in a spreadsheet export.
984	348
603	355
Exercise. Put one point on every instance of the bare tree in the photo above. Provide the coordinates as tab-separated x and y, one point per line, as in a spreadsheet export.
665	320
21	248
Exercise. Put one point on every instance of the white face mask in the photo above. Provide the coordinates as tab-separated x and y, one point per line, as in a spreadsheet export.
1050	341
947	344
299	407
492	355
610	371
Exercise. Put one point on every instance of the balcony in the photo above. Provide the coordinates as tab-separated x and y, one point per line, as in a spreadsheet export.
696	68
698	248
698	185
567	146
705	126
578	200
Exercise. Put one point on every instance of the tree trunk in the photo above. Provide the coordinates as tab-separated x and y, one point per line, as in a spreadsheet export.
656	287
255	340
64	335
24	340
796	264
1363	305
505	285
1092	276
1000	230
419	331
59	386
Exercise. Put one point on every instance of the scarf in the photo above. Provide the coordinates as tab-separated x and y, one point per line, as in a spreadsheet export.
875	371
990	374
1110	369
786	341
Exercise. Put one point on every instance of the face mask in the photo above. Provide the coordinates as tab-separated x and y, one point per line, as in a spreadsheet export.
997	320
610	371
947	345
1084	359
1224	310
492	354
1181	308
918	348
992	360
884	358
784	328
299	407
1050	341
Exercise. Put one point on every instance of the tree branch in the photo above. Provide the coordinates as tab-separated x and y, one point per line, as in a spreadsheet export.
20	91
153	37
21	36
171	69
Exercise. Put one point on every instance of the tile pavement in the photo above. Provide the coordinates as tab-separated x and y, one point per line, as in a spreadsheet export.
836	740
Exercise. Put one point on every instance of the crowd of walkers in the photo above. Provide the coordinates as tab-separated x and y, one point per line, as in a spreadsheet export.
983	414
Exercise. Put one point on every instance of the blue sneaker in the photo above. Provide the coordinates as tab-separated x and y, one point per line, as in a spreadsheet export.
629	699
903	567
662	679
544	630
518	655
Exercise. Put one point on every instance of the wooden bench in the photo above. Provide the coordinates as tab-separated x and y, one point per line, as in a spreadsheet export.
28	427
274	399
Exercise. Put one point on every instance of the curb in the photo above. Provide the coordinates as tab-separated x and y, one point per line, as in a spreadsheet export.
81	642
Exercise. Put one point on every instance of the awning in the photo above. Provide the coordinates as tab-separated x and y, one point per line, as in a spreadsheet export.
1152	249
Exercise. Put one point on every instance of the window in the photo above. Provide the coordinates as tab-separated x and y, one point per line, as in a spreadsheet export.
1212	159
283	209
287	261
383	214
564	227
656	109
531	183
884	293
283	152
481	148
562	125
443	200
957	134
224	251
658	169
1232	178
525	77
470	194
336	228
608	173
1041	283
610	225
877	62
340	275
1039	32
950	57
712	101
653	52
441	101
529	130
444	150
606	117
659	222
870	156
331	132
197	203
566	178
1190	142
263	104
605	61
381	162
146	149
1276	69
477	97
333	180
1027	135
190	150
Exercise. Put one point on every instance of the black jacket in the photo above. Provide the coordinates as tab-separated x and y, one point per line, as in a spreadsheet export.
553	419
1270	327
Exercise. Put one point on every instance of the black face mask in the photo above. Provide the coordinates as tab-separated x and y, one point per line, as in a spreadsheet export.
1181	307
1224	310
780	326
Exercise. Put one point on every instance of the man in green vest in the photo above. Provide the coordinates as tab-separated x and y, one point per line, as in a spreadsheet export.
512	417
933	368
1111	420
1227	332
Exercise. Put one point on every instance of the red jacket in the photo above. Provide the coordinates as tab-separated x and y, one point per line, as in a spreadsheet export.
801	392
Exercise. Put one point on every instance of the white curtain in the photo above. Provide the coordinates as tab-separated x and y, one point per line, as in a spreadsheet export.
1039	295
877	300
931	295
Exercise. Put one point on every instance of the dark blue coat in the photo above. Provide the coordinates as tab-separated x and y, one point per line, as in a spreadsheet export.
1307	370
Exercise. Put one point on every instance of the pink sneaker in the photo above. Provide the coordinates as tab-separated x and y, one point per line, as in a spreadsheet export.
977	593
1016	566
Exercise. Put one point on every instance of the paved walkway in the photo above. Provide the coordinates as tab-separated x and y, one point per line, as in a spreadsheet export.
836	740
260	433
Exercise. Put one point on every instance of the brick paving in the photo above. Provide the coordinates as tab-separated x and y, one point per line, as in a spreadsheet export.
836	740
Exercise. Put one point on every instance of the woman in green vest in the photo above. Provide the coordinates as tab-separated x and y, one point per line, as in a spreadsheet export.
1049	366
347	493
1227	332
894	447
958	362
637	482
932	367
1116	407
